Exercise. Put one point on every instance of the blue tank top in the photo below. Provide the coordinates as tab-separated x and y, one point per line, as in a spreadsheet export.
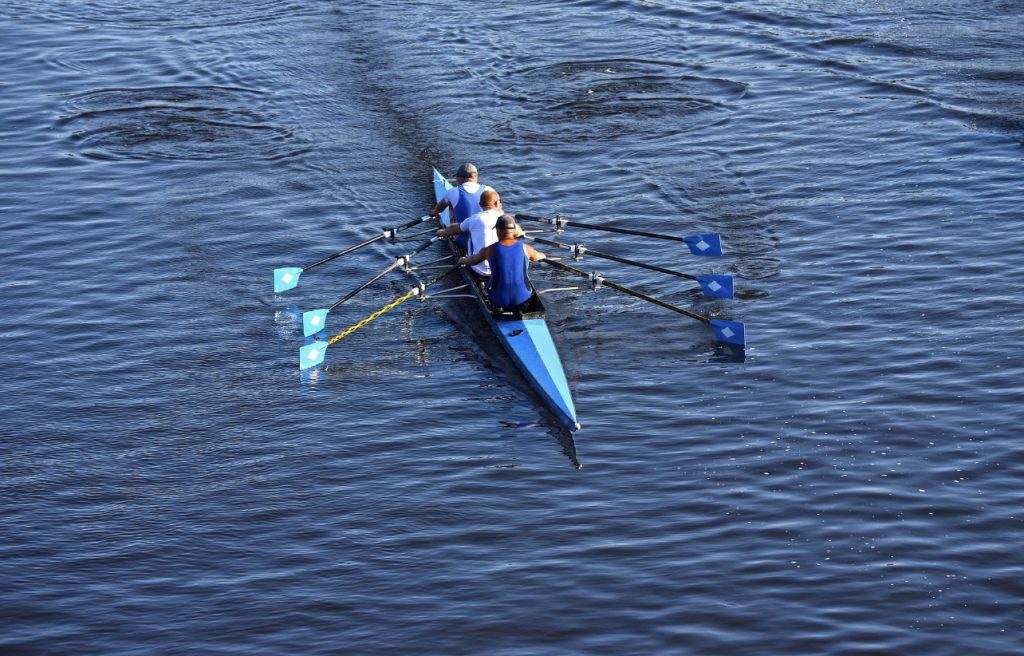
509	285
468	205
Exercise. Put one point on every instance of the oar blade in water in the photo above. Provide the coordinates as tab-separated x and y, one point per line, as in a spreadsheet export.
311	355
313	321
286	278
729	332
716	286
708	244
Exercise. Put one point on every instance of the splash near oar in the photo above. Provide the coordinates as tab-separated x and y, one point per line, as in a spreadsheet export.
286	278
311	355
705	244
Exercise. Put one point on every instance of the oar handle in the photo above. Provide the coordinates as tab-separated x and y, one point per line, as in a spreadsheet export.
422	247
559	221
414	222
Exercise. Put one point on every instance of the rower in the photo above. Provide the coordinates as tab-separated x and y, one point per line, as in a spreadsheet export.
509	287
480	229
463	199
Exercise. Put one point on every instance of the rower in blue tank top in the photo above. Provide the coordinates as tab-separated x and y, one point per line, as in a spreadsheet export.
509	286
463	199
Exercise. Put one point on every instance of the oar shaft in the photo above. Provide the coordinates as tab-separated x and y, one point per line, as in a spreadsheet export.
651	299
402	259
419	289
415	221
630	292
366	284
591	226
614	258
384	235
344	252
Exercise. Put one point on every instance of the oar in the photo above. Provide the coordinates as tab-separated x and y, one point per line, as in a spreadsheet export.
311	355
706	243
286	278
313	321
729	332
715	286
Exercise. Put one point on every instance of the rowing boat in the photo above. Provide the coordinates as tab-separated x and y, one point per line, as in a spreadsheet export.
525	336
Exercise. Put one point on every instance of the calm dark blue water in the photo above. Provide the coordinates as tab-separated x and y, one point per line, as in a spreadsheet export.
172	484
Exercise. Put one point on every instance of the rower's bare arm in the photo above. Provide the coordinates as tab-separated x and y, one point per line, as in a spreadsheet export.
534	254
450	231
441	206
477	257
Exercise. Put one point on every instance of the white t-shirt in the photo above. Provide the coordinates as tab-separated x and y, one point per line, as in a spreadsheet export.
474	188
482	234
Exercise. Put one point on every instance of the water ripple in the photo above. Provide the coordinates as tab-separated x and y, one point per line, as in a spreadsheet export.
850	483
613	98
147	14
176	123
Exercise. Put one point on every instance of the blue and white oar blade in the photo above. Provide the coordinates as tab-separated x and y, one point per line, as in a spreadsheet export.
730	332
707	243
286	278
716	286
311	355
313	321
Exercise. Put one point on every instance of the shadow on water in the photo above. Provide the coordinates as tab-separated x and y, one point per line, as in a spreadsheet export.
568	443
171	123
483	347
726	353
463	313
562	435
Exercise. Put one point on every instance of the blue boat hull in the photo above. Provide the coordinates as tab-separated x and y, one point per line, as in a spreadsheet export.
526	338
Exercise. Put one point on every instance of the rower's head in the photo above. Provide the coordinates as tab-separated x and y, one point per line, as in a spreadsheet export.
506	227
490	200
467	173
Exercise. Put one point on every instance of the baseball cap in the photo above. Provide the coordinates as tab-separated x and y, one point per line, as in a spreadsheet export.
467	170
506	222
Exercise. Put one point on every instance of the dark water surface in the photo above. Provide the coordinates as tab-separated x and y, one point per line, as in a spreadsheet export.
172	484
